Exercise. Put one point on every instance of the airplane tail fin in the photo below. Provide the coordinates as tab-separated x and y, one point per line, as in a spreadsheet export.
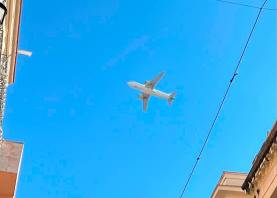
171	98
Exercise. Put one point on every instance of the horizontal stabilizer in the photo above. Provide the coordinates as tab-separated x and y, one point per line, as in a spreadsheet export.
171	98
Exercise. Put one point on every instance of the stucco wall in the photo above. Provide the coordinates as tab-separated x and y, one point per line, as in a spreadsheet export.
10	159
265	182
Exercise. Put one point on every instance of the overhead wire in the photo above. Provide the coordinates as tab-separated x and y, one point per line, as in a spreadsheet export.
245	5
235	73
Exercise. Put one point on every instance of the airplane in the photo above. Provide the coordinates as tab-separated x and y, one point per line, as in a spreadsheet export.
148	90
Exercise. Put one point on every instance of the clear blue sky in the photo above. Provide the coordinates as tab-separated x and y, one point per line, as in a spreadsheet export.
84	131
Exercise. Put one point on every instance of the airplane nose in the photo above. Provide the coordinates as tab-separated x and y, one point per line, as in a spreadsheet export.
131	84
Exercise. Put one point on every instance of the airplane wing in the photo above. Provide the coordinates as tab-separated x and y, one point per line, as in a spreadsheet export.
151	84
145	98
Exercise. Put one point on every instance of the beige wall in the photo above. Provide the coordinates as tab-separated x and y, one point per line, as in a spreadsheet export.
229	186
266	178
10	152
11	34
264	183
261	182
10	159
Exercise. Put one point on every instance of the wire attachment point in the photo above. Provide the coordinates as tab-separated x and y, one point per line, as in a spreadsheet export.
232	79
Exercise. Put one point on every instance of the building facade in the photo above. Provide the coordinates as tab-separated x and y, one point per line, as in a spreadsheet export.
10	152
260	182
11	28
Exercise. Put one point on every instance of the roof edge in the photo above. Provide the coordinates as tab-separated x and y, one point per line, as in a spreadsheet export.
260	157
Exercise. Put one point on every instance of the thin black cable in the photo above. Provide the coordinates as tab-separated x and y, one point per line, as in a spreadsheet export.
245	5
235	73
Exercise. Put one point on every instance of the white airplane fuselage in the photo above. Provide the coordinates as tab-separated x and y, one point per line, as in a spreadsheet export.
149	91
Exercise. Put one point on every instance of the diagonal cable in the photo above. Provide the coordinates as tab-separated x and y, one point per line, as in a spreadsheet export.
235	73
245	5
